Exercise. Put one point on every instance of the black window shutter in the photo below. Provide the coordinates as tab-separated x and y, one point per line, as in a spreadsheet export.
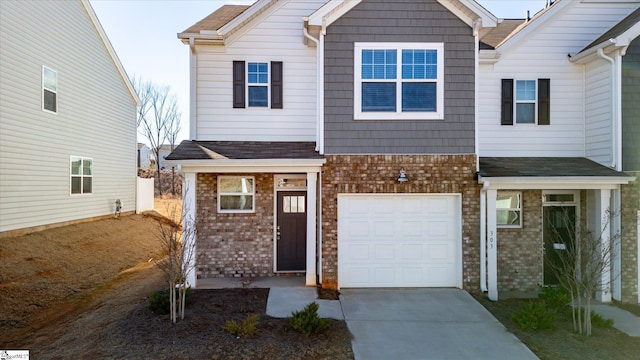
507	102
276	84
544	101
238	84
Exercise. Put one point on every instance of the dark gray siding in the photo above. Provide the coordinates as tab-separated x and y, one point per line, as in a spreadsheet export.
399	21
631	108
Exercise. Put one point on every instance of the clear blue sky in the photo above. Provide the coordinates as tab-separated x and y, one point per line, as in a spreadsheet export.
143	33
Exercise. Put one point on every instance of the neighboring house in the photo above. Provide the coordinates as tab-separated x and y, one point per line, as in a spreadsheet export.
67	118
551	112
144	156
165	150
372	176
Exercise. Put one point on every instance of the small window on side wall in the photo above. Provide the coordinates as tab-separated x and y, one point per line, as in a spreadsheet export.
509	210
49	90
526	102
236	194
81	175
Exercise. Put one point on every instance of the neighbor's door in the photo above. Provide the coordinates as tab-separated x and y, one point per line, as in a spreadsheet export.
291	231
559	226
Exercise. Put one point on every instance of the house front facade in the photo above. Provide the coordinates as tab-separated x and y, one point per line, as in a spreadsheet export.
67	118
350	141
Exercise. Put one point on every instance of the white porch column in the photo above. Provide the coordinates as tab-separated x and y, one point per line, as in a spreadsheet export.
188	222
492	245
312	190
602	200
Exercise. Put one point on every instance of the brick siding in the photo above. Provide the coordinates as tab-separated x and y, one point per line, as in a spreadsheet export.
520	250
630	205
234	245
378	174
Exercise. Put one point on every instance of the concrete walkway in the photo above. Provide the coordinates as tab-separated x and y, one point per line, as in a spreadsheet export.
425	324
623	320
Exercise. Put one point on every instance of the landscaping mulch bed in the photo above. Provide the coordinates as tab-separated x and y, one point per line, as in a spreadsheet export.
562	342
85	296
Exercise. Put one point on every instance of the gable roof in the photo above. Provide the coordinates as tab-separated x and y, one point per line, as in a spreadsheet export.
498	34
617	30
466	10
110	50
216	19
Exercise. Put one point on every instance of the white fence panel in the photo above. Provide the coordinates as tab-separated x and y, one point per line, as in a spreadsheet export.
144	197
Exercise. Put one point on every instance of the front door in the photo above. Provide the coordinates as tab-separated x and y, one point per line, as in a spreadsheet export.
559	226
291	231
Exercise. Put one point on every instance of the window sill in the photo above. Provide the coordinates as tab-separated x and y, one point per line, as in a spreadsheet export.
399	116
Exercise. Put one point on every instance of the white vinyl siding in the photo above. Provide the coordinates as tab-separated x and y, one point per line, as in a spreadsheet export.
271	37
598	111
543	54
96	117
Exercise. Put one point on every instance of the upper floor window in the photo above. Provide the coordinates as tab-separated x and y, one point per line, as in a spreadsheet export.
399	81
260	82
531	103
49	90
81	175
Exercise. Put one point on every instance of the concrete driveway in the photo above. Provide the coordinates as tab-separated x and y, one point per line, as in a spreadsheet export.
401	324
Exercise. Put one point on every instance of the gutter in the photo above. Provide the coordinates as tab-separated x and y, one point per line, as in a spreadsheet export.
614	112
193	89
305	31
477	24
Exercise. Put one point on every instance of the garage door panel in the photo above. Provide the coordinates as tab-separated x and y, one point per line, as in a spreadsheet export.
398	240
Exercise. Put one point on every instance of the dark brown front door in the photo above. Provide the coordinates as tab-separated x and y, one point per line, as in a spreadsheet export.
291	231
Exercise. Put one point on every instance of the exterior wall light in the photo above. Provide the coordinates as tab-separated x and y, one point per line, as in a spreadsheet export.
403	176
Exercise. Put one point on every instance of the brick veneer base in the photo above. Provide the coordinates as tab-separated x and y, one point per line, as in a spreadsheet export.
630	205
378	174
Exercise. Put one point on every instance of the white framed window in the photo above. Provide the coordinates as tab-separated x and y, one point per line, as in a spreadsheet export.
236	194
49	90
509	209
81	173
526	101
258	84
399	81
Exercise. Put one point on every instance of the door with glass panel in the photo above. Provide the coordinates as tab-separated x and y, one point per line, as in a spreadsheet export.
291	231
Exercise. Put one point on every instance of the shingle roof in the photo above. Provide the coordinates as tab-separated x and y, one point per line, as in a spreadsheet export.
497	35
542	167
217	19
617	30
242	150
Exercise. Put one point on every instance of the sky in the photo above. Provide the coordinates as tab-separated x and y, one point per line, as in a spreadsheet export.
144	36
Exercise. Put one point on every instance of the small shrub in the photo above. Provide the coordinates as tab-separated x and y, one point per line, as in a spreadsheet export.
556	297
534	316
307	320
159	301
596	319
247	328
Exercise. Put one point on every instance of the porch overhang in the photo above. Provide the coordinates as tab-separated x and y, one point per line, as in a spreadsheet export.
536	173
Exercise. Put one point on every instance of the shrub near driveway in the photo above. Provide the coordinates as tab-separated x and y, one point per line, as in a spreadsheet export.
562	342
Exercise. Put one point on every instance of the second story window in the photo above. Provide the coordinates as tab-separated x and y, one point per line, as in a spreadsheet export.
399	81
526	101
49	90
258	82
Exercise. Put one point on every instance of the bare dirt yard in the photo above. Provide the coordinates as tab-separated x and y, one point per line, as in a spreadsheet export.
81	292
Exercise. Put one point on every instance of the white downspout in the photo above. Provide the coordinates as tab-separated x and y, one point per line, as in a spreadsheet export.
483	236
193	76
305	31
476	28
614	115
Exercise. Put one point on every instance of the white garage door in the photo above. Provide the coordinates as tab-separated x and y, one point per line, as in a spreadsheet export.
399	240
